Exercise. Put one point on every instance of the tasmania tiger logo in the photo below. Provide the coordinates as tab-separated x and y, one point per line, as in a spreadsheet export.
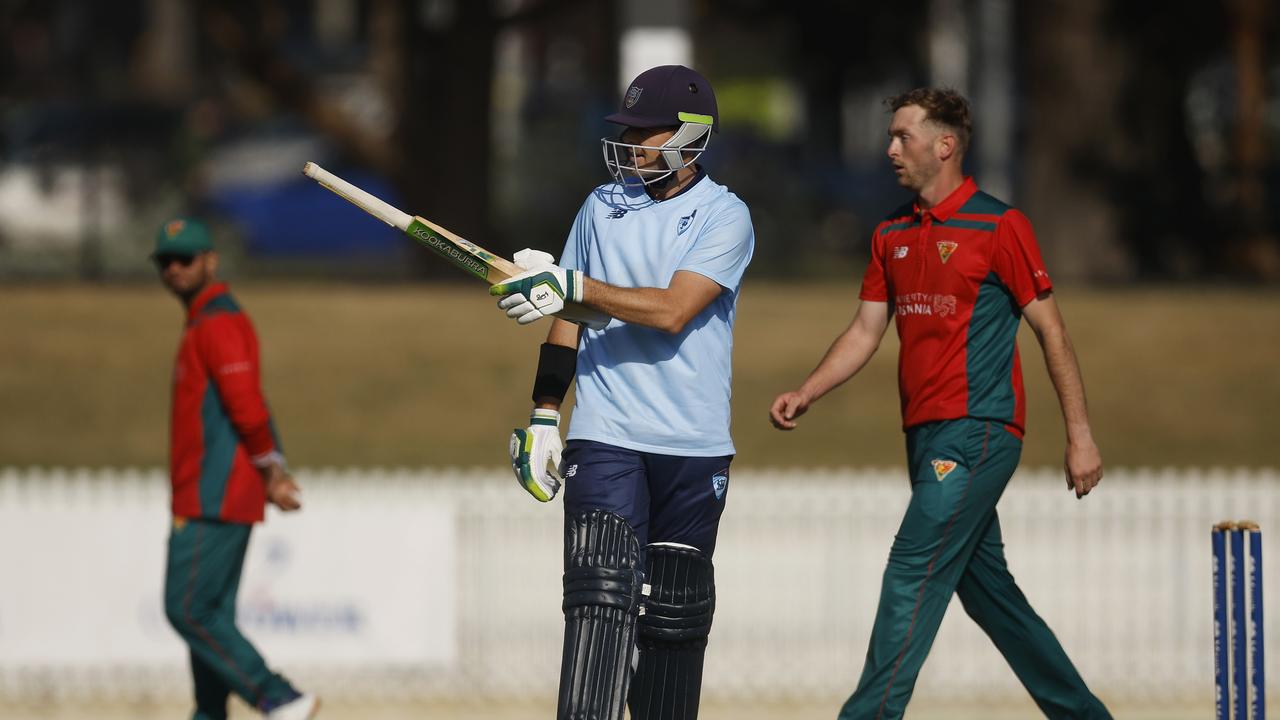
944	305
945	248
943	468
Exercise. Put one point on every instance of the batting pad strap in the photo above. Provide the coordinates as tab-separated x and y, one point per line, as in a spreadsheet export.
557	366
604	587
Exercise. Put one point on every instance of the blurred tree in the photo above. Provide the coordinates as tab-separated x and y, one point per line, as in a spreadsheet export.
70	108
1114	181
815	194
1255	243
435	64
1072	85
1166	218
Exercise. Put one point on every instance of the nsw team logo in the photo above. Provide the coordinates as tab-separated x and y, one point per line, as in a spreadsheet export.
633	95
943	468
174	227
945	248
720	483
685	222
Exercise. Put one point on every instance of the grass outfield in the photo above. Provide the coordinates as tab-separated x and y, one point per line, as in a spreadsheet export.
920	709
434	375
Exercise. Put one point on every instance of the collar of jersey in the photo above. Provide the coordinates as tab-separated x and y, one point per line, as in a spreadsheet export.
204	297
697	180
943	211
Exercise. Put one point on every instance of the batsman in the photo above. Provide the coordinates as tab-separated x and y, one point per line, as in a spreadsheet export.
662	250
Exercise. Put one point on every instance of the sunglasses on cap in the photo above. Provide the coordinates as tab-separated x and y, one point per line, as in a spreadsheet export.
162	261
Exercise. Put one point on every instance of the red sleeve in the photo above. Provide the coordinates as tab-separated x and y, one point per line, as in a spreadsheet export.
229	348
875	285
1017	260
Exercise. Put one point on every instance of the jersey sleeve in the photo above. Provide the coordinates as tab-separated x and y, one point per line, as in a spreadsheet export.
576	246
875	283
723	248
1017	260
229	350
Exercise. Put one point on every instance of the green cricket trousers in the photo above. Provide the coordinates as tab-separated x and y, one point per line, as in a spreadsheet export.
949	542
201	581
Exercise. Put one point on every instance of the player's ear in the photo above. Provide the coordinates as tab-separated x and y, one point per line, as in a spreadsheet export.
210	262
945	146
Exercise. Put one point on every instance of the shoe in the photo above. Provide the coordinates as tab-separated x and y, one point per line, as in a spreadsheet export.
303	707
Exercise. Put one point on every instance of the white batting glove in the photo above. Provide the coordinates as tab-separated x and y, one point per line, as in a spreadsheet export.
538	293
535	454
529	258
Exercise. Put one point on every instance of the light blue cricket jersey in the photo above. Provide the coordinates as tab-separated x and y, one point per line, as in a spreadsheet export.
646	389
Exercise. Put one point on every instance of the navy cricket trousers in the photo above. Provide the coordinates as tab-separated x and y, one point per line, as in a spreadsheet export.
665	498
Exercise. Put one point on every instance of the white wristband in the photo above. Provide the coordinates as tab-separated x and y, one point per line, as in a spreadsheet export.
267	459
545	416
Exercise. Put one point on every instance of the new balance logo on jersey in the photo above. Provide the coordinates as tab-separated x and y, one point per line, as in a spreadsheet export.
616	213
685	222
900	251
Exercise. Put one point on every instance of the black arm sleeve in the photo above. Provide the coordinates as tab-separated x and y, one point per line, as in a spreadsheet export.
557	366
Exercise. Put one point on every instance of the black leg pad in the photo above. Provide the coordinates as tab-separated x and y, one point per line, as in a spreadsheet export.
603	594
673	634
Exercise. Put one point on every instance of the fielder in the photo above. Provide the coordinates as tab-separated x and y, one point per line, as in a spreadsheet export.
662	250
225	465
958	269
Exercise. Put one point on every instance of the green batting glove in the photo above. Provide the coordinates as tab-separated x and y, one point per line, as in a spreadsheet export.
535	454
538	292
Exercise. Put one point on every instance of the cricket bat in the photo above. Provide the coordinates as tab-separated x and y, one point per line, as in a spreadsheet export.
461	252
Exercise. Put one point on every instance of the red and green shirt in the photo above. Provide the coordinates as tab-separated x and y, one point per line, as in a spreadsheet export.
220	421
956	277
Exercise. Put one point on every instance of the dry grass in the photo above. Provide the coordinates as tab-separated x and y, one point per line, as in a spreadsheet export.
920	709
433	375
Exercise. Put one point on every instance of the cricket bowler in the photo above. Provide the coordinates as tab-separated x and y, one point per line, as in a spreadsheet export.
958	270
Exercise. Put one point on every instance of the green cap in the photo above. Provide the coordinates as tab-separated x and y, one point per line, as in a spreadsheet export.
182	236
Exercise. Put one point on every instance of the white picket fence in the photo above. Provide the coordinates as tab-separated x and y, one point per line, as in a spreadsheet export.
444	583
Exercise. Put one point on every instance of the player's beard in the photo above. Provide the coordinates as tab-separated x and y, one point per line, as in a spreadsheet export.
193	282
916	177
647	170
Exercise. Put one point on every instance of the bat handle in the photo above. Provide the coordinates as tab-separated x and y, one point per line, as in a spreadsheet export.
383	211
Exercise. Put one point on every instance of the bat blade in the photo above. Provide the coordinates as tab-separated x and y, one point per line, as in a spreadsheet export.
461	252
